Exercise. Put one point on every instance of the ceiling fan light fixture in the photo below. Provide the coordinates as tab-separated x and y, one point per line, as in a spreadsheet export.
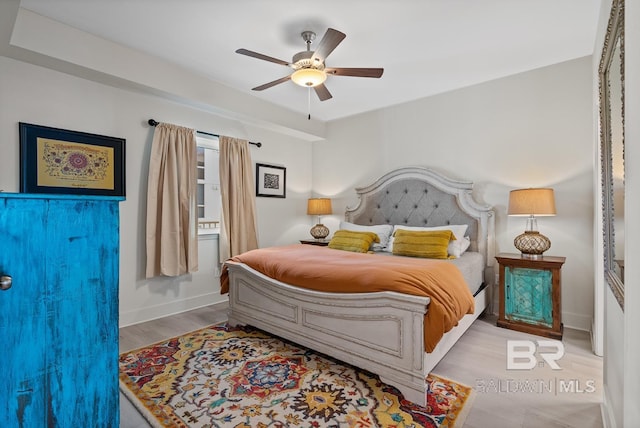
309	77
309	65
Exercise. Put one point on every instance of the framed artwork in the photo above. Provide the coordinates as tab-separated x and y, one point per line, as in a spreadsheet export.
56	160
271	181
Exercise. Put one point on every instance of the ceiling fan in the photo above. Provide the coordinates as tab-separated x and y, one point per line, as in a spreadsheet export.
309	66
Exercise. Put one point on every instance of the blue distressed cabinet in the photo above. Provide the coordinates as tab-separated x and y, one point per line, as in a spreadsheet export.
530	294
59	262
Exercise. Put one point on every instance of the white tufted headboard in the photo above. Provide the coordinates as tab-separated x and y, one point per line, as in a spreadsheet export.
415	196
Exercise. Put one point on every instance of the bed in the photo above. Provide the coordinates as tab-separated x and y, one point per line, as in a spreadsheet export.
382	332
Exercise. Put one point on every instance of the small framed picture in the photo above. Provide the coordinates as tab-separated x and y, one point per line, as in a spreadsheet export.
271	181
56	160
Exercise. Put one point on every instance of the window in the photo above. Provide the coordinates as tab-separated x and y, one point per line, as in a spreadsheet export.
209	202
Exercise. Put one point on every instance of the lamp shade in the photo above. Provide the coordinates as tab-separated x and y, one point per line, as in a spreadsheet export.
319	206
528	202
309	77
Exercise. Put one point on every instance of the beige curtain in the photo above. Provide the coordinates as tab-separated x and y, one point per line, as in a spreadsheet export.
238	231
172	218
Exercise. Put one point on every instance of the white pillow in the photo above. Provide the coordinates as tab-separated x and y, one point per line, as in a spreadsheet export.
382	230
456	248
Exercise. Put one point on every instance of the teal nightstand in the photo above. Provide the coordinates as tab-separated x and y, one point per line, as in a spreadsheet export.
530	294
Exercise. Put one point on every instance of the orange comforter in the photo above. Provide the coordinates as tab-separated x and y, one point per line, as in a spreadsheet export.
325	269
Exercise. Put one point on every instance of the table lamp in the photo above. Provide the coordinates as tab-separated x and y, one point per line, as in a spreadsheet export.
319	206
532	203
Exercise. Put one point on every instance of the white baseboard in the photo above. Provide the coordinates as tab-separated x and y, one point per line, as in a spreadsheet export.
577	321
608	419
166	309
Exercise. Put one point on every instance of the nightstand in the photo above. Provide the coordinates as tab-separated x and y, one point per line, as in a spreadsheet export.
319	242
530	294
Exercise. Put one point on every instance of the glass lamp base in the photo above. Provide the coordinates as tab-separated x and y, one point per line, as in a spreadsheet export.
319	231
532	244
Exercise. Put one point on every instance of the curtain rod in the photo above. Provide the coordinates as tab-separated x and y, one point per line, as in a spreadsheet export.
153	122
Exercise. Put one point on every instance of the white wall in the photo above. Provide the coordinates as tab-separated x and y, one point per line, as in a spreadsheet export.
37	95
529	130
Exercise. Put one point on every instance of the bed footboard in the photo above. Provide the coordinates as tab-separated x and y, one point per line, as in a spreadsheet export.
380	332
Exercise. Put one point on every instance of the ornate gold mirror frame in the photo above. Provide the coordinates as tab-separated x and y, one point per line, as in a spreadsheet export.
611	83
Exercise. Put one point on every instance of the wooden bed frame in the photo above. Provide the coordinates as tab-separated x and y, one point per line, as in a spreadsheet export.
381	332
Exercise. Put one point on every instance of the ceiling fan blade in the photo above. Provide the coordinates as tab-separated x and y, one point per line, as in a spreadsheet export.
270	84
330	40
322	92
356	72
263	57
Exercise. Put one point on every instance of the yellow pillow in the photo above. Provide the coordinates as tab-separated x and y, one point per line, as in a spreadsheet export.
427	244
358	242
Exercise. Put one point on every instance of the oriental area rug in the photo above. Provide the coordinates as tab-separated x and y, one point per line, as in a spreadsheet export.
243	377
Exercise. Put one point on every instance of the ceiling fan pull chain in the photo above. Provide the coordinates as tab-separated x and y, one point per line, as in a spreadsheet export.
309	103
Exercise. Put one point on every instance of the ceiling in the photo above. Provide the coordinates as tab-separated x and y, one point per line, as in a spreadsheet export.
425	46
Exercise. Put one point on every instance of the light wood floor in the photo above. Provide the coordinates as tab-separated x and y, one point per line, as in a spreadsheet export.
540	397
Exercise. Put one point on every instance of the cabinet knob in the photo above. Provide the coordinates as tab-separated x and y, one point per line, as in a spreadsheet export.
5	282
